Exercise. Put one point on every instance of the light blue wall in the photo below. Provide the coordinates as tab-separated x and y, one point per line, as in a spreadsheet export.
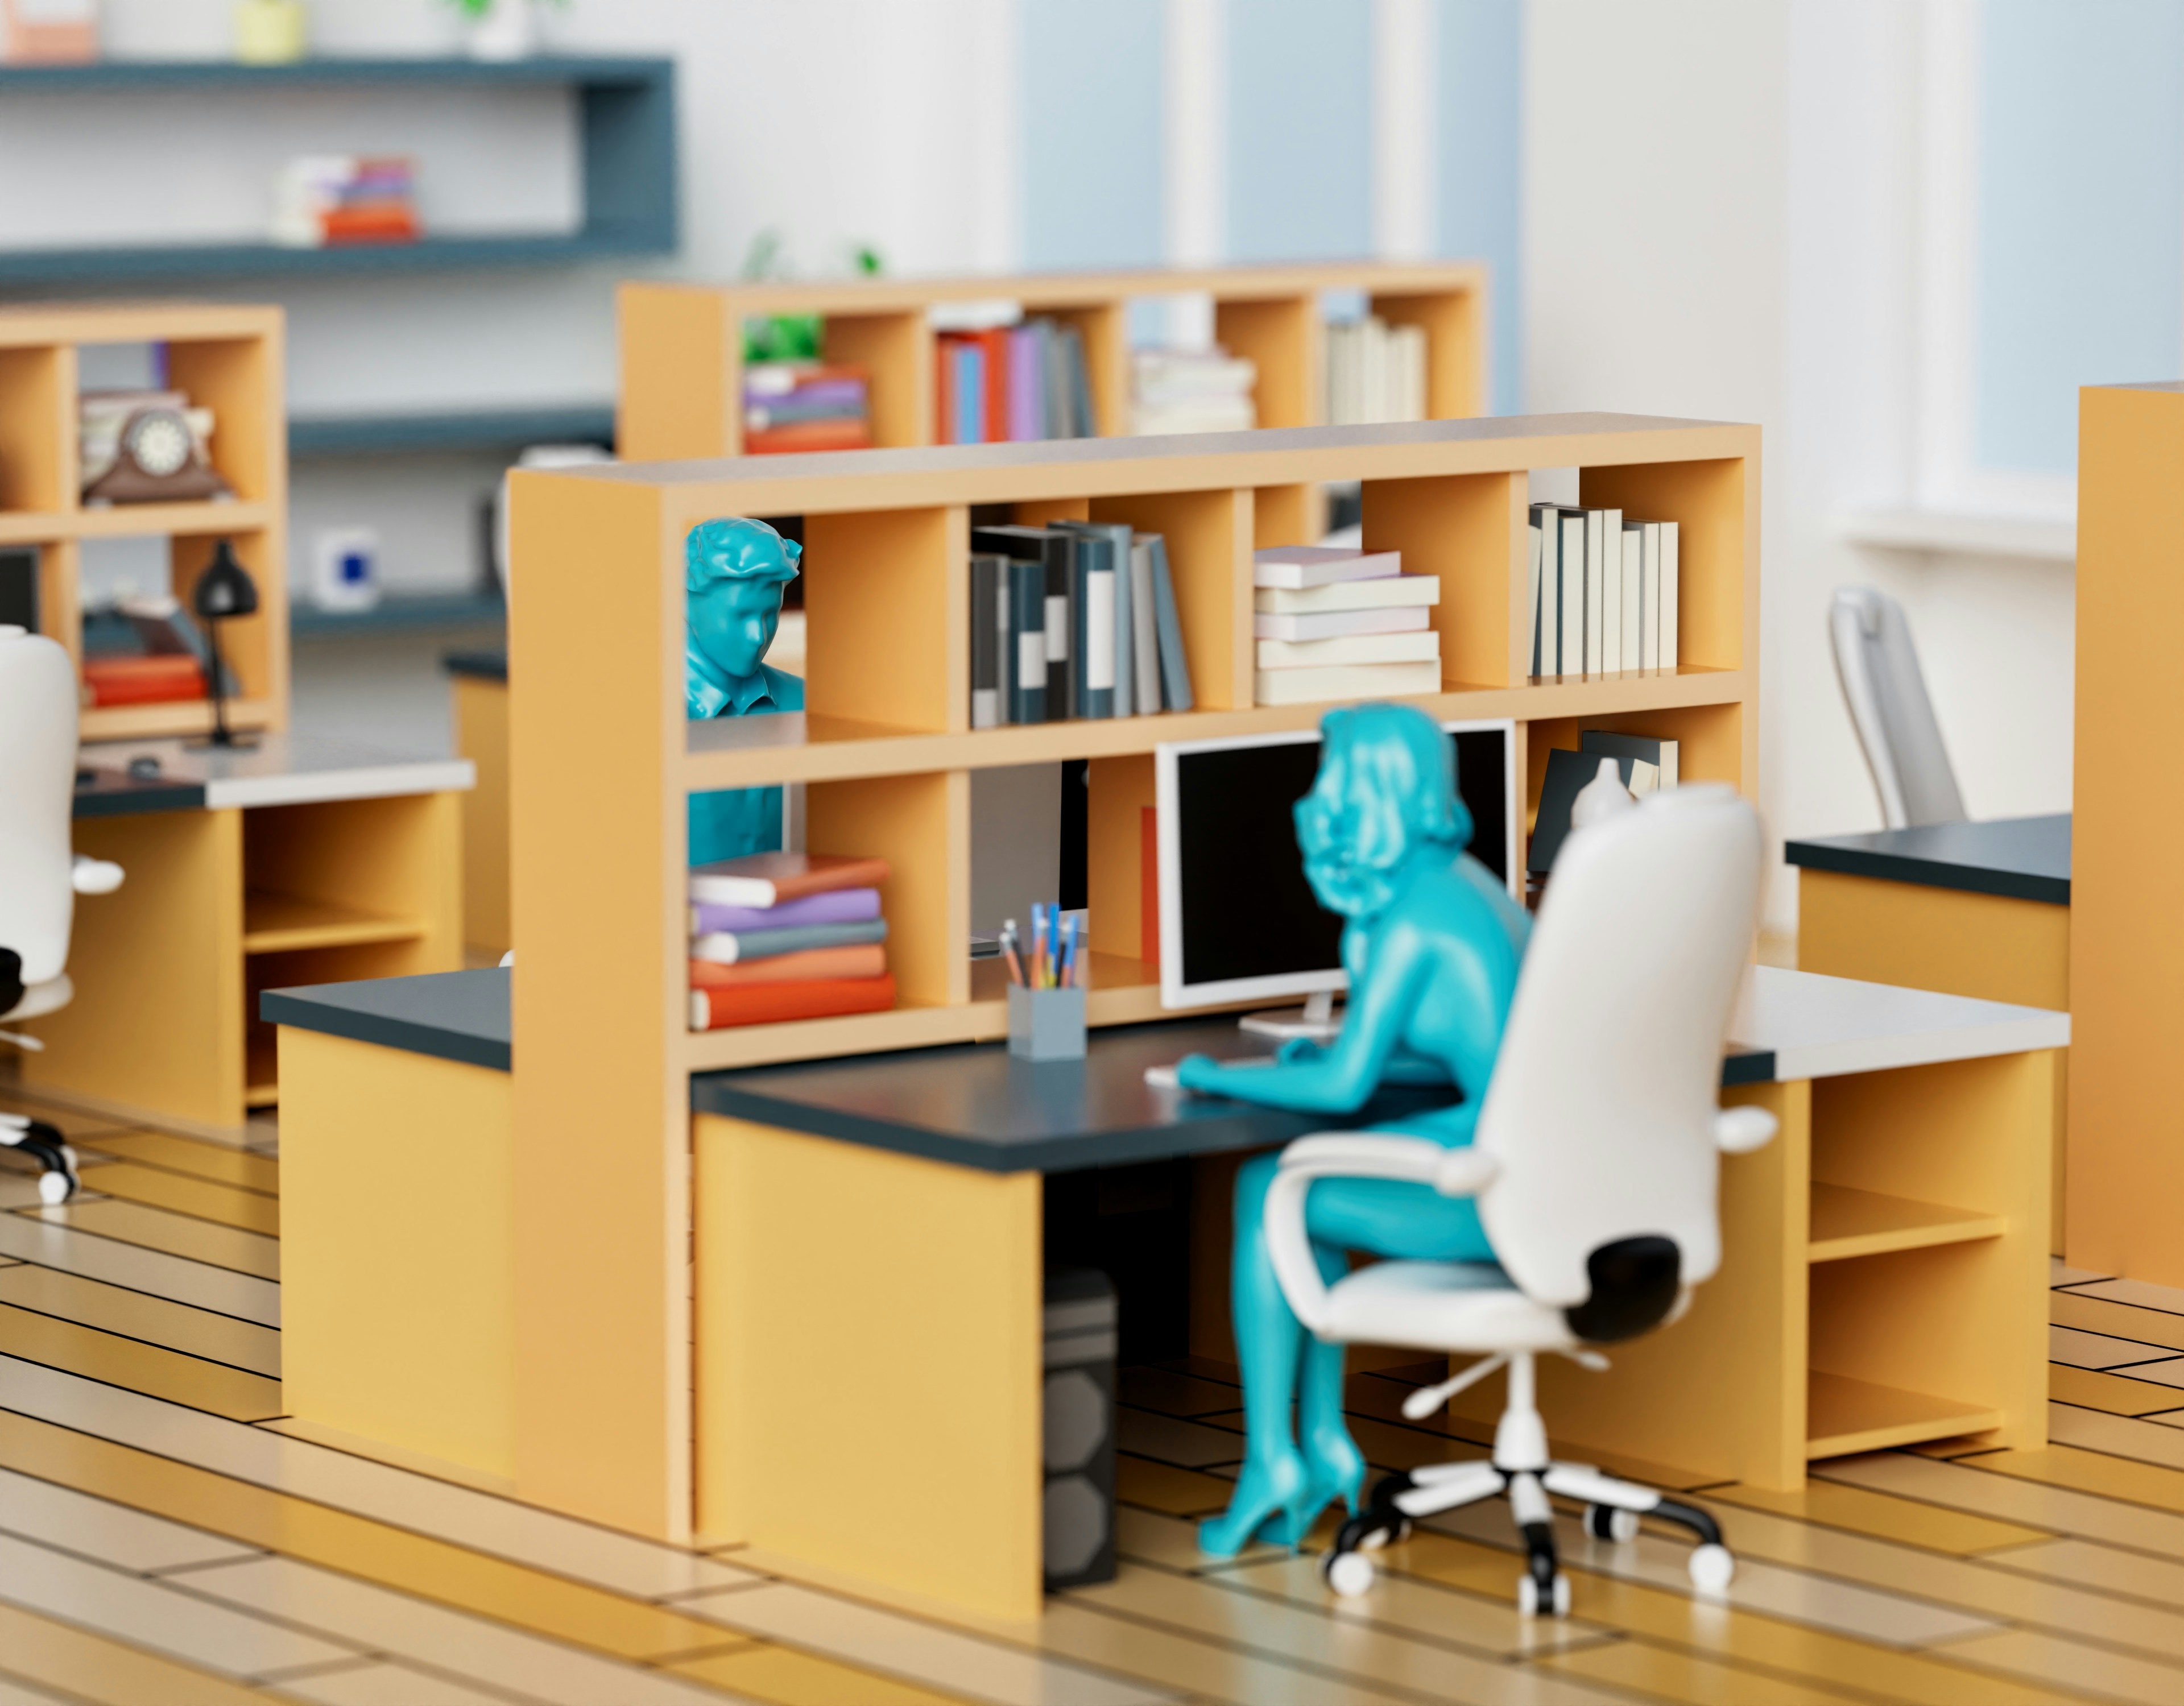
2081	214
1299	76
1091	94
1480	161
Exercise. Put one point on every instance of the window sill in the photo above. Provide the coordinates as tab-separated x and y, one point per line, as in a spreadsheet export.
1935	532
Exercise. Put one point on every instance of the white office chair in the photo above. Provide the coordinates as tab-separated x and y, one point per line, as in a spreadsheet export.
1594	1168
1878	667
40	876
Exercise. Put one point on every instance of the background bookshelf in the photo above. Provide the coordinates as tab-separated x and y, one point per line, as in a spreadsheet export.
682	365
228	358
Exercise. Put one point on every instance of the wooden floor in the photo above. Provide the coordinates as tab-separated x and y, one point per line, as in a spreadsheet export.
164	1542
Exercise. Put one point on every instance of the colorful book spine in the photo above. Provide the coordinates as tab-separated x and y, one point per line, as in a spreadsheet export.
834	906
761	1004
731	947
813	964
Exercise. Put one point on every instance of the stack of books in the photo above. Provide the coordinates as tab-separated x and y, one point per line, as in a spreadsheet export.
1011	384
1375	372
319	200
1603	592
777	936
1332	623
144	649
806	405
1186	390
1077	619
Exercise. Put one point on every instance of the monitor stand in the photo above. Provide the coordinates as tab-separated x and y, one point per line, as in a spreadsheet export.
1315	1019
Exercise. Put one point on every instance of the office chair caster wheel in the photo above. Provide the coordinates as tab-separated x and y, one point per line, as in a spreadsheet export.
57	1176
1532	1603
1713	1568
1606	1522
1349	1574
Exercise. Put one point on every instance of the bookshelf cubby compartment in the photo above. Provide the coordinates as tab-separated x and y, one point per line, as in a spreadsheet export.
37	434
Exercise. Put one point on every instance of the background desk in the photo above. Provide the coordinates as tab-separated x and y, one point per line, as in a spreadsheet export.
300	859
1971	909
481	686
868	1247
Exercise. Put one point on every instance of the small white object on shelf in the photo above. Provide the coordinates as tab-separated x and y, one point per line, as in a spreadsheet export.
345	569
505	30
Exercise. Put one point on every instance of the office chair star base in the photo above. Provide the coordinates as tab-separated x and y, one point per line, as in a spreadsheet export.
43	1144
1521	1472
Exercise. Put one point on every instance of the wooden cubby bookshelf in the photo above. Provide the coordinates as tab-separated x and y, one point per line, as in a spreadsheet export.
682	344
229	359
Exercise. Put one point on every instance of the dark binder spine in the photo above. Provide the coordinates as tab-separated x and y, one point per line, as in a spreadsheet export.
1063	662
1028	675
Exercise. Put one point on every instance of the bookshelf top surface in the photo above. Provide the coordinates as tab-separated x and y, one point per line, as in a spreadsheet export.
133	321
846	480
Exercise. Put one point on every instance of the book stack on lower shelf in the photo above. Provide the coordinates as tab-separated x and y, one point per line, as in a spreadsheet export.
806	405
144	651
1329	622
1604	592
1076	619
779	936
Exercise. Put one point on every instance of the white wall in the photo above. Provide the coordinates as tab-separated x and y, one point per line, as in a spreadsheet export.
1721	200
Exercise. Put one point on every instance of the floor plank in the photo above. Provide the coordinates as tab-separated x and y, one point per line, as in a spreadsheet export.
115	1263
171	1234
195	1332
201	1199
140	1367
1878	1515
83	1666
216	1161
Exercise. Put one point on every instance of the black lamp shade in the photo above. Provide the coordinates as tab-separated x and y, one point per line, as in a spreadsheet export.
225	588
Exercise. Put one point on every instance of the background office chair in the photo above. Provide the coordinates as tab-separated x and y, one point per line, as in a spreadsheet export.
1595	1168
1878	667
40	876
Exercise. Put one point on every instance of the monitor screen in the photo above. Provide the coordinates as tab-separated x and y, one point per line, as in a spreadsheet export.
1238	919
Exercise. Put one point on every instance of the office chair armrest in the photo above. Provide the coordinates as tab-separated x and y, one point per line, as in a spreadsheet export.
1740	1130
89	876
1384	1154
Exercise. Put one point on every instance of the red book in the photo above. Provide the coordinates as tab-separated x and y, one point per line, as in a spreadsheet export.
142	680
944	387
867	960
809	435
767	1003
766	880
995	341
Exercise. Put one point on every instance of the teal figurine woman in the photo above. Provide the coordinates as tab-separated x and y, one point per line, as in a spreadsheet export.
733	572
1432	947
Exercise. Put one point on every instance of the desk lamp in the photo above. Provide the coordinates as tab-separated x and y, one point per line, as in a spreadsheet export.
225	589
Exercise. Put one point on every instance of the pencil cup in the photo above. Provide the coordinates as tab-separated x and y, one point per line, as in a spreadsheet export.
1046	1024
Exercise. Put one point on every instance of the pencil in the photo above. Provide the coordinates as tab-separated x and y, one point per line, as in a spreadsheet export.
1009	951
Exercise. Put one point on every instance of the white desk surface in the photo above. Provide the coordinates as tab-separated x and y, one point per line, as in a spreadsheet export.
290	770
1819	1027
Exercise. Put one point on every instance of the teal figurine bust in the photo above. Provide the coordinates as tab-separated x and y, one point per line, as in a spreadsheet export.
1432	947
733	574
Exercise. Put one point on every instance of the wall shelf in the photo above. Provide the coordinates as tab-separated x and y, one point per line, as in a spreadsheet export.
277	923
441	430
400	614
625	115
1845	1416
1847	1223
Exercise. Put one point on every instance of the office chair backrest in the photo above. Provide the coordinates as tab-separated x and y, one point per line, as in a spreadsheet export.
1878	667
1601	1109
37	797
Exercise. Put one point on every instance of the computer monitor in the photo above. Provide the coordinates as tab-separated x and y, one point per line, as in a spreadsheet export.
1238	919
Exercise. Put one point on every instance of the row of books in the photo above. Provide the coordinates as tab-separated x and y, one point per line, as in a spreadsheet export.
1375	372
806	405
321	200
1602	592
1332	622
1192	390
780	936
1644	763
1077	619
143	649
1012	384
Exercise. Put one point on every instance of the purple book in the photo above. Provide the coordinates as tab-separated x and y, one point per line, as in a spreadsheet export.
1027	393
835	906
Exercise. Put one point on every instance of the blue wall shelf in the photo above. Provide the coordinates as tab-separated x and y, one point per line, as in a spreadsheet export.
626	116
444	430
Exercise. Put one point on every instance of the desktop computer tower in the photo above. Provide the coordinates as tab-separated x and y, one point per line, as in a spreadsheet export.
1078	1429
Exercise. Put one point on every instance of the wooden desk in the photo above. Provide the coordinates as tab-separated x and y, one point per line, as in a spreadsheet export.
1969	909
248	869
868	1251
480	688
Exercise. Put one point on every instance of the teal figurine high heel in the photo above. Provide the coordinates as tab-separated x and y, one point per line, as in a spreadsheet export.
1270	1503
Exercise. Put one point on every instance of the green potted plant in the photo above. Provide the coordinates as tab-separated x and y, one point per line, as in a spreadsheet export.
501	29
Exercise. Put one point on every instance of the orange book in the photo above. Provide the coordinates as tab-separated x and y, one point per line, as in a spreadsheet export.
809	435
368	225
142	680
944	388
866	960
994	341
767	1004
766	880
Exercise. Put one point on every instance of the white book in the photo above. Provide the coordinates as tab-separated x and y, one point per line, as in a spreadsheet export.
1548	654
1668	612
1596	591
985	707
1409	363
1345	681
1099	631
1532	597
1634	593
1611	586
1330	624
1571	523
1398	591
1294	566
1145	627
1649	615
1420	647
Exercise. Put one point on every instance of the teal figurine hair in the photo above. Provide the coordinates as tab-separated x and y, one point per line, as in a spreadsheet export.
1432	945
734	575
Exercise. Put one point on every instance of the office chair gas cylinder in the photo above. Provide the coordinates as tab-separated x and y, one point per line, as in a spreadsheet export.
1596	1186
40	877
1882	684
